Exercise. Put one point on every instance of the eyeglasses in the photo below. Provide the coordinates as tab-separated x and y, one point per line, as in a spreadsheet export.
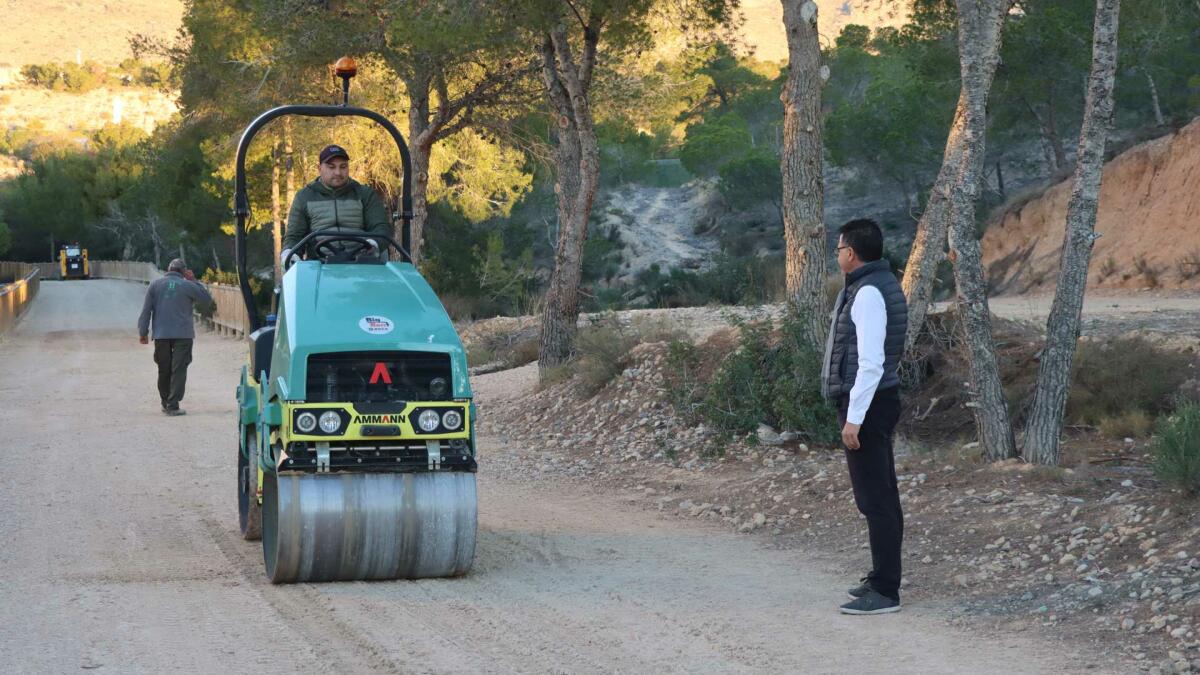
839	249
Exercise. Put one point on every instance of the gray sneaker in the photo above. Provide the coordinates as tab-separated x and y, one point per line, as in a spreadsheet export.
861	589
871	603
174	412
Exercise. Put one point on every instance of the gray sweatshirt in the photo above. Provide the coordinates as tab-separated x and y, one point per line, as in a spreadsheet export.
169	301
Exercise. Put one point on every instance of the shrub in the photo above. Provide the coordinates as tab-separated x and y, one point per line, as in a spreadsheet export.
1129	424
1108	268
1188	264
602	352
1111	379
771	377
1148	271
1177	448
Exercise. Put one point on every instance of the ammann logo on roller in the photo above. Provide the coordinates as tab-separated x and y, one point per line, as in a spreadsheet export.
376	325
379	419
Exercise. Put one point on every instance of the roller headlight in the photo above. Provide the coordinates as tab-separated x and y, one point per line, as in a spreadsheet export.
331	422
306	422
437	387
429	421
452	420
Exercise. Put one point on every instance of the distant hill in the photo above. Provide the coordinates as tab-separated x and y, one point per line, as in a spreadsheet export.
99	30
764	21
60	30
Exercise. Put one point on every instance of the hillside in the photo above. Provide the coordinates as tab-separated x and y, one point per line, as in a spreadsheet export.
97	30
764	21
1147	219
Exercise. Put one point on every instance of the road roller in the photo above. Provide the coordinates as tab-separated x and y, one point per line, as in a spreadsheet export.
356	422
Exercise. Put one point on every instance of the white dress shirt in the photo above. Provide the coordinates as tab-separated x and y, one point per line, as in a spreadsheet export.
869	314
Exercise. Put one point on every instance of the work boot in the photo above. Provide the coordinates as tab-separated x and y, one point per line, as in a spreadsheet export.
871	603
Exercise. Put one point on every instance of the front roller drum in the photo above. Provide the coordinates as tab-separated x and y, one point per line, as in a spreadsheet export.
350	526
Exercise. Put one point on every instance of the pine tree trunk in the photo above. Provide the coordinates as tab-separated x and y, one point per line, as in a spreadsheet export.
1062	328
800	164
420	145
577	165
1050	129
289	166
929	246
276	221
979	25
419	152
1158	116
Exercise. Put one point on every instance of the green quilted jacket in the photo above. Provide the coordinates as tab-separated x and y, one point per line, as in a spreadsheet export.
317	207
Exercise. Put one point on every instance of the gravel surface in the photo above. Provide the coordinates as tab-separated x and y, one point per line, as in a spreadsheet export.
121	550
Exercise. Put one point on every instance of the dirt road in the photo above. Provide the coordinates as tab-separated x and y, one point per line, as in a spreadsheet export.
120	551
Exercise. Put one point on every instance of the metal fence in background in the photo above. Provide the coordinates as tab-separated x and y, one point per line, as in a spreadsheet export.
17	296
228	318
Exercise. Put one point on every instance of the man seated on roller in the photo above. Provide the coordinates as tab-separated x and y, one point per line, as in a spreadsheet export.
334	201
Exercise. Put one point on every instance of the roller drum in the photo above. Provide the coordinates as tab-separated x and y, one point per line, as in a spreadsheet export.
349	526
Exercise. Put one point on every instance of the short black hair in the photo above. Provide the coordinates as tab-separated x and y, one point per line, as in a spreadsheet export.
864	237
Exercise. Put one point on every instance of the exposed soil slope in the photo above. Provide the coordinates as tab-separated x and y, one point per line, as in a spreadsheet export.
1148	219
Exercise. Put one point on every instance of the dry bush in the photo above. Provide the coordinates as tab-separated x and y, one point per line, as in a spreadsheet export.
460	308
1108	268
1117	377
601	353
833	285
1188	265
650	329
1130	424
1147	270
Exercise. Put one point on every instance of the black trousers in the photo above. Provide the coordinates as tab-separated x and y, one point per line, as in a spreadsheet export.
873	476
172	357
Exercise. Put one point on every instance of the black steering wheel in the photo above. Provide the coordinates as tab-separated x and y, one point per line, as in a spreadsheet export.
322	243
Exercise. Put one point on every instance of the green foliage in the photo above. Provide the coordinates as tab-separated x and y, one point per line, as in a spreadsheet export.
5	236
625	153
710	144
751	179
602	255
260	289
506	282
71	77
1127	375
892	100
772	377
1177	447
602	352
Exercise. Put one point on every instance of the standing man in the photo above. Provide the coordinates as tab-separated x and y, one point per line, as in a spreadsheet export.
334	200
862	375
169	302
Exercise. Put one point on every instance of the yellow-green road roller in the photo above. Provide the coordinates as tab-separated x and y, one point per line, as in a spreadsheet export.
356	455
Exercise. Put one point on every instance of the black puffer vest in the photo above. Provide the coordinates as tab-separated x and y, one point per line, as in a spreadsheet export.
843	352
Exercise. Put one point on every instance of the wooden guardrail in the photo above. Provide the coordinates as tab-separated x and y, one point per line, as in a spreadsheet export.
16	297
227	318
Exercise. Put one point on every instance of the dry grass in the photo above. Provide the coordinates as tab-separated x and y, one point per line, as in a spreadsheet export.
1147	270
1188	265
100	31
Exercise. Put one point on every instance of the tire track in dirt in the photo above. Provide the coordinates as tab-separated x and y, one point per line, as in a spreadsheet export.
303	607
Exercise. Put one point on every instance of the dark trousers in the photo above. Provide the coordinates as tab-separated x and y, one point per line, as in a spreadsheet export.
172	357
873	476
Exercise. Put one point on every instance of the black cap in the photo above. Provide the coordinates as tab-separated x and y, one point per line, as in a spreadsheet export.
332	151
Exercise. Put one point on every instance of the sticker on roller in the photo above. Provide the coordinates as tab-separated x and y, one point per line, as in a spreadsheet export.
376	325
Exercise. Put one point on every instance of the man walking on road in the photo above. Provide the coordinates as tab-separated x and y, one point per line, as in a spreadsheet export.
861	374
169	302
334	200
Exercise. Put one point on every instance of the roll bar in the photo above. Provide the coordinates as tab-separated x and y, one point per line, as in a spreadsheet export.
241	201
